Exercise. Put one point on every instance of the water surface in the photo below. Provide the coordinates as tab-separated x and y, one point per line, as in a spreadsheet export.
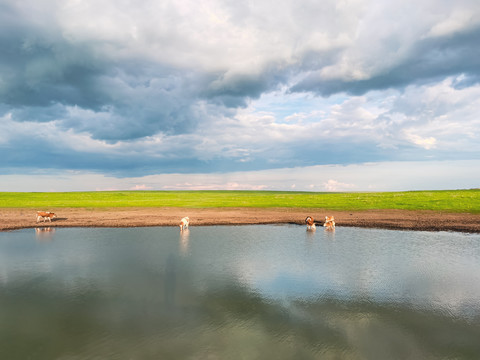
239	292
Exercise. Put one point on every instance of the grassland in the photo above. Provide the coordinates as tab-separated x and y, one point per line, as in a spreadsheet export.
467	201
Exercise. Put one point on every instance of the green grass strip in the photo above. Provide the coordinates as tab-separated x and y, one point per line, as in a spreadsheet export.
445	200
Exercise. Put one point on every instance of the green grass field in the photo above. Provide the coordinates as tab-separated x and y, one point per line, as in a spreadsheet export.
445	200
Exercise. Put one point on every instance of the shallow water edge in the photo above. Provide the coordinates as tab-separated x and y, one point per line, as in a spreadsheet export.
146	217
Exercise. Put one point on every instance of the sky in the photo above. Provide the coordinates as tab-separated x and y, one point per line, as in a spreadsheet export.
304	95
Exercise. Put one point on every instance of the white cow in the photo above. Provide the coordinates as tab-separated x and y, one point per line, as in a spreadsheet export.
184	223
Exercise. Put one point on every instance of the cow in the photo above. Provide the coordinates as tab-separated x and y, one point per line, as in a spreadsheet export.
45	215
329	223
184	223
310	223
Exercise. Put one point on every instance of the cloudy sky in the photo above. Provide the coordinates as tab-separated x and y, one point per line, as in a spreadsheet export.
331	95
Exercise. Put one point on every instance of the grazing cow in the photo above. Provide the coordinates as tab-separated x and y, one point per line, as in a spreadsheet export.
329	223
310	223
45	215
184	223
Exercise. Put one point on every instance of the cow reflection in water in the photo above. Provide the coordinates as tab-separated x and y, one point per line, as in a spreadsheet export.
184	241
44	234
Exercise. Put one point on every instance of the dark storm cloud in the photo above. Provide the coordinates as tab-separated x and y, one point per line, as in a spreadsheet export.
41	78
46	77
43	153
428	60
39	67
234	90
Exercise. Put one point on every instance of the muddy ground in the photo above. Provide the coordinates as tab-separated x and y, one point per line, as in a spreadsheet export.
11	219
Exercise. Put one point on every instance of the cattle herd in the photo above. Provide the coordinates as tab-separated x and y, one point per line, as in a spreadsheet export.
329	223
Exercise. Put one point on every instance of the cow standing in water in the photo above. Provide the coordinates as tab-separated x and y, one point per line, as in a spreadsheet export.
329	223
310	223
184	223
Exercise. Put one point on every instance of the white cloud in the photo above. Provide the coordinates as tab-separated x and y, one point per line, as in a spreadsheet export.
426	143
334	185
141	187
214	186
456	21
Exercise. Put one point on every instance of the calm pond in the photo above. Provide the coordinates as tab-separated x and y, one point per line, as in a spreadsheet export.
239	292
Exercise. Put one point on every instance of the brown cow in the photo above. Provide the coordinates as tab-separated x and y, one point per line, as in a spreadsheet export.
45	215
329	223
310	223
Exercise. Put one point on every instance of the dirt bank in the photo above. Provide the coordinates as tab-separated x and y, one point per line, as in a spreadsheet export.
12	219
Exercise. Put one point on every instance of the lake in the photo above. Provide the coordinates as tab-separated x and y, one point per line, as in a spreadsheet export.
238	292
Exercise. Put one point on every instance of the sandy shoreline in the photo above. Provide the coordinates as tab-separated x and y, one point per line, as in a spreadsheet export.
12	219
